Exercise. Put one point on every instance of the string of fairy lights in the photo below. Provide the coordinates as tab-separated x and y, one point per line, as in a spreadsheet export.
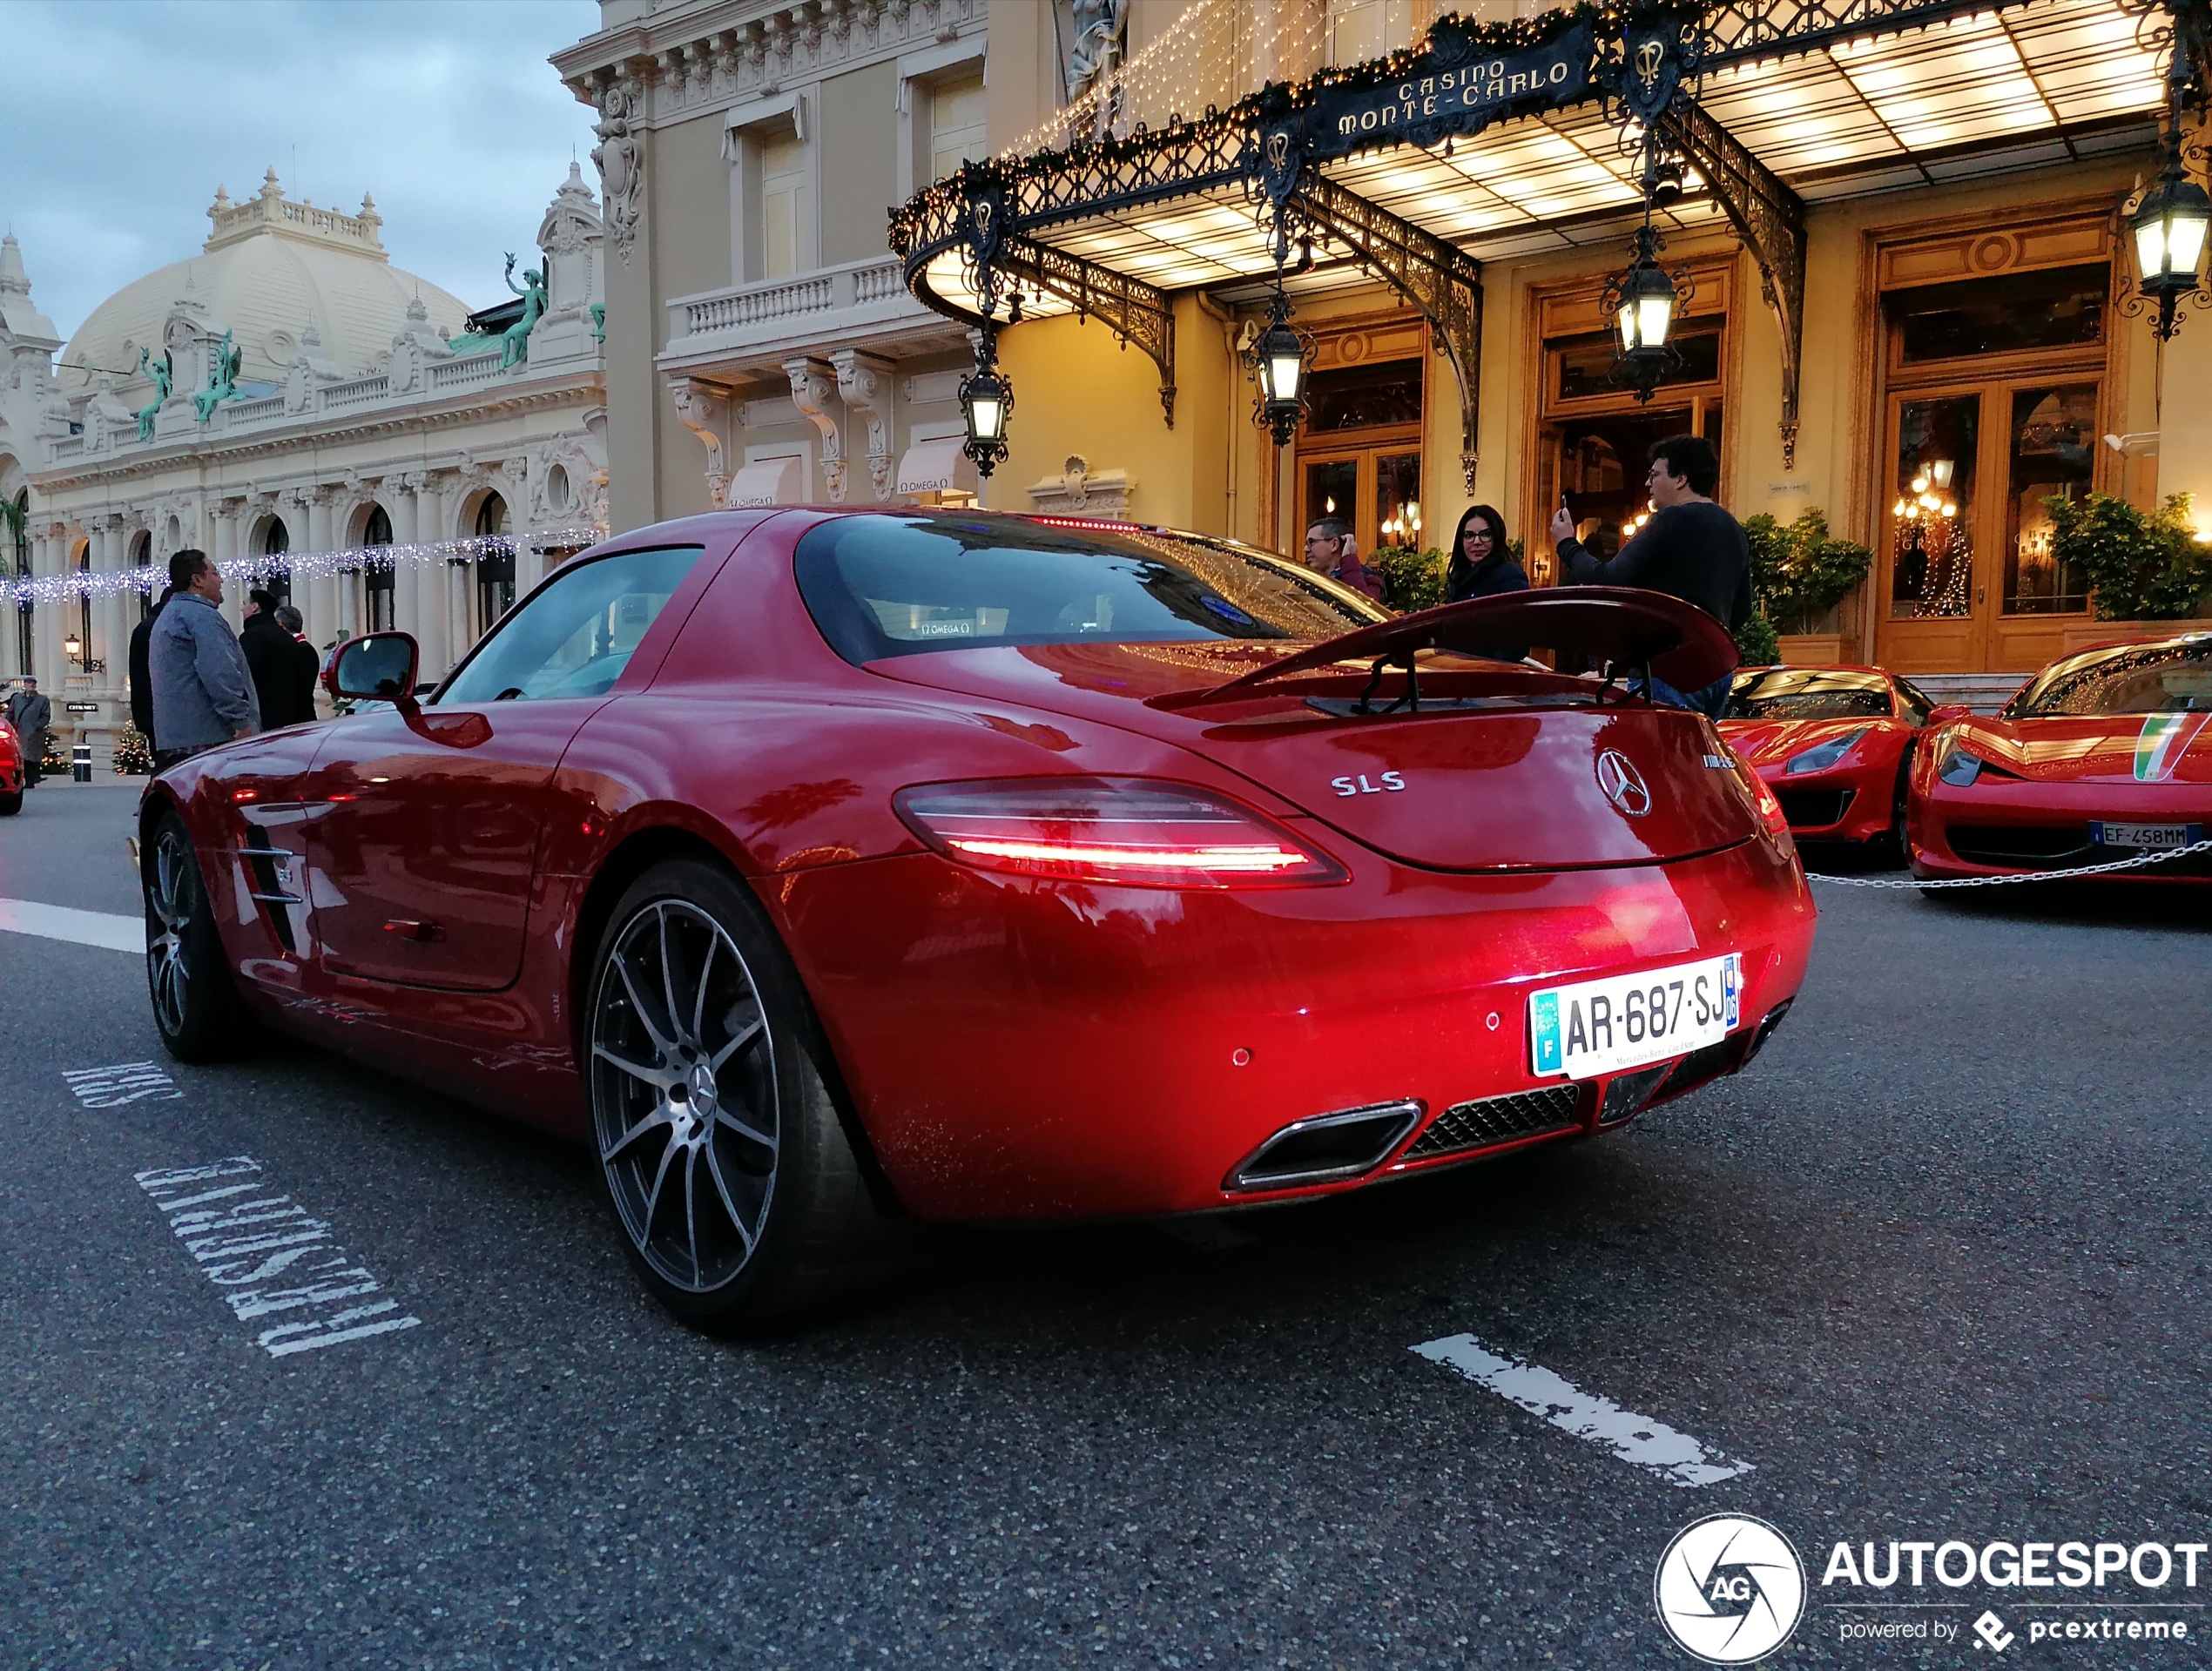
32	591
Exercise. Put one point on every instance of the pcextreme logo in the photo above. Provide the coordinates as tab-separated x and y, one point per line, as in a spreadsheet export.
1729	1589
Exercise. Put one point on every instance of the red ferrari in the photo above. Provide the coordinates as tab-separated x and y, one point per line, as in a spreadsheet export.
1835	744
2100	756
813	867
10	771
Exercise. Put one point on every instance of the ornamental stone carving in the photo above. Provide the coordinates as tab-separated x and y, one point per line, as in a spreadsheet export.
864	381
1077	491
704	410
620	161
813	385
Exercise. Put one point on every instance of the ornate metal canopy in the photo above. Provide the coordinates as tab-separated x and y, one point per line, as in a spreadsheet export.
1539	133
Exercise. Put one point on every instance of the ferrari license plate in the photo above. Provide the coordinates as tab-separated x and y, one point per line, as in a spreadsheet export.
2146	836
1627	1021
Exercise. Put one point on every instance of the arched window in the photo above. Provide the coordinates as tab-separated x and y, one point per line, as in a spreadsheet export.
19	543
494	572
376	574
274	578
137	554
85	610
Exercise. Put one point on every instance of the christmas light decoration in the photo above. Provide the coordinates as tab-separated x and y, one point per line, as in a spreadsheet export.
48	590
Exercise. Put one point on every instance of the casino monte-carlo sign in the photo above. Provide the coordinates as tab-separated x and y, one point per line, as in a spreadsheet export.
1451	89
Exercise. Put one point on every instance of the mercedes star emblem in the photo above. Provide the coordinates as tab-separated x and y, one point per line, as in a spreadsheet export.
1622	783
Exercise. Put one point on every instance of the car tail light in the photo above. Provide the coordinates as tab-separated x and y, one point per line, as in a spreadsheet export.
1136	832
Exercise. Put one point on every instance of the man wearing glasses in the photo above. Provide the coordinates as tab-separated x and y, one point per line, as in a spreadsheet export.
1691	548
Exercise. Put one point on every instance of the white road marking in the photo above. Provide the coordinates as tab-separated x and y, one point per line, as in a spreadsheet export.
105	928
1672	1456
243	1237
121	1082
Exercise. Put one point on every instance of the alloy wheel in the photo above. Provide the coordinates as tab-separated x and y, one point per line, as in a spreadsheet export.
683	1094
169	898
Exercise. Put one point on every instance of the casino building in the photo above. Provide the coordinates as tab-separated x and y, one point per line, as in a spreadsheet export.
287	396
1891	240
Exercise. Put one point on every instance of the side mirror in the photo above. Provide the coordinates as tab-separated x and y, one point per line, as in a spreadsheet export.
1945	713
376	667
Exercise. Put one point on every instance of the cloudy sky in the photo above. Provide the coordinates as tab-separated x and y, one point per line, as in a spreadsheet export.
121	118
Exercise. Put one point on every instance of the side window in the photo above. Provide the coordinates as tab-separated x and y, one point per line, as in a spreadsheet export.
1917	704
958	120
575	636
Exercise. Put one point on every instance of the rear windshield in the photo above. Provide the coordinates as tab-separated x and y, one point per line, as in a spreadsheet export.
901	585
1809	693
2168	678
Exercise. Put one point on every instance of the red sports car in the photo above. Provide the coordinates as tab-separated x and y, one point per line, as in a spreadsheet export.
814	865
10	771
2100	756
1835	744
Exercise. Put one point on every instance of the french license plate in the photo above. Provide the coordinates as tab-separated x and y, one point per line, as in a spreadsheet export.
1627	1021
2146	836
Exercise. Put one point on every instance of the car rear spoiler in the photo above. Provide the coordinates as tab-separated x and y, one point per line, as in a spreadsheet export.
1629	629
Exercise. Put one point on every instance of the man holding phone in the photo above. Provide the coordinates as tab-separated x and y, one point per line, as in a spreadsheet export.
1691	548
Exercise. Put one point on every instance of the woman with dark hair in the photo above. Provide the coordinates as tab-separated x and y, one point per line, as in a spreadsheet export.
1481	566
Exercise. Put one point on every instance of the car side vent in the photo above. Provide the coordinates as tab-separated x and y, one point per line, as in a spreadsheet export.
1326	1148
1499	1120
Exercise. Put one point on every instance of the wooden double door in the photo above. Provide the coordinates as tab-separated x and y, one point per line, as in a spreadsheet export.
1967	580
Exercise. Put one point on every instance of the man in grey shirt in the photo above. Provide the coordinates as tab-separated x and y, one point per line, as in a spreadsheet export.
203	690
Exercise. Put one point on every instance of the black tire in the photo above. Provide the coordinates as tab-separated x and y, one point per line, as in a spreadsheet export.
1899	845
10	805
716	1143
196	1007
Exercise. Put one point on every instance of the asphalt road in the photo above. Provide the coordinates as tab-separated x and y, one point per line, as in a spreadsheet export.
1936	1267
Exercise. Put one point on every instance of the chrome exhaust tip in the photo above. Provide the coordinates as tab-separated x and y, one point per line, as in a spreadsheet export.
1326	1148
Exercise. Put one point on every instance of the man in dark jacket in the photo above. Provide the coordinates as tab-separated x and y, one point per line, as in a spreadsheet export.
1691	548
307	662
142	670
30	713
271	655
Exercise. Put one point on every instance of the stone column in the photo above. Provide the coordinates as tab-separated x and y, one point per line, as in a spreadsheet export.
459	576
323	619
114	613
48	555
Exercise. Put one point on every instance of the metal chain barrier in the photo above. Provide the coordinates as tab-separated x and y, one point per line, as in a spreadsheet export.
2136	863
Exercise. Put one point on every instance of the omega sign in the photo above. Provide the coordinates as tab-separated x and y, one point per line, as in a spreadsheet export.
1423	106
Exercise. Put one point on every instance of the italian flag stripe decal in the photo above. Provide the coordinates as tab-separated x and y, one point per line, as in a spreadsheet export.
2160	744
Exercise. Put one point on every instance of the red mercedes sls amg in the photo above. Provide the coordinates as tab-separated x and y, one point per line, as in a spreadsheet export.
812	867
2101	756
1835	744
12	774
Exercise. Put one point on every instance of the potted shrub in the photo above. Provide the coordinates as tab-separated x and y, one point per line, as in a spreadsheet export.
2148	571
1798	574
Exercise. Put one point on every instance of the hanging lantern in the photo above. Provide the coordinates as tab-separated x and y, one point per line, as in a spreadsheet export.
2168	227
986	398
1643	301
73	647
1279	358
